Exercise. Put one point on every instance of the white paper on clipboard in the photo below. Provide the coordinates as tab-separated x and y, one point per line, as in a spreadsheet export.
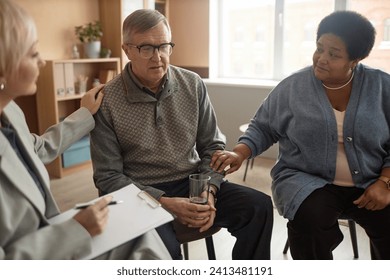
138	214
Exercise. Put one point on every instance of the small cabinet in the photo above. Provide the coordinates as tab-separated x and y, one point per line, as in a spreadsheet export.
58	96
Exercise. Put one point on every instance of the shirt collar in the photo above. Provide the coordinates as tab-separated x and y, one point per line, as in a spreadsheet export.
144	88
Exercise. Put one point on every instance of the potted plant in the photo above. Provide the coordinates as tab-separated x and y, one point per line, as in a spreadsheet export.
90	35
105	53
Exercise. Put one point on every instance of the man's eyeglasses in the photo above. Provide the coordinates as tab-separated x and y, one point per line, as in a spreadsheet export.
147	51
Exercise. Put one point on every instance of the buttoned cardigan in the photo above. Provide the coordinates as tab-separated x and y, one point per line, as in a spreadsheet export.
298	115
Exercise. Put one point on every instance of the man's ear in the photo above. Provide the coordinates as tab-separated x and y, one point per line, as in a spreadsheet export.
126	49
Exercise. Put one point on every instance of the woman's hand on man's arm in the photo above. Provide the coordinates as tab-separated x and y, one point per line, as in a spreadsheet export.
227	162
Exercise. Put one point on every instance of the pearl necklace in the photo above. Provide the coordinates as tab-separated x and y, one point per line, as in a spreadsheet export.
336	88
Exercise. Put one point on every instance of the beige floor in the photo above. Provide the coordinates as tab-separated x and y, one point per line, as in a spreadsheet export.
78	187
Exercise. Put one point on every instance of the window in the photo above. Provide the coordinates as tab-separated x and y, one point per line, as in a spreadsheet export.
270	39
386	35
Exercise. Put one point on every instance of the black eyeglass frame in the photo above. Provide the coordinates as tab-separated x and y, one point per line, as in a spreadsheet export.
153	46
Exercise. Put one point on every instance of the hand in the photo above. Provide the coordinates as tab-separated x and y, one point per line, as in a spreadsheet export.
225	159
94	218
211	219
190	214
375	197
92	99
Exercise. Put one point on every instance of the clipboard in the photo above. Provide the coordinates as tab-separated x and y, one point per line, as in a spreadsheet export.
138	213
150	200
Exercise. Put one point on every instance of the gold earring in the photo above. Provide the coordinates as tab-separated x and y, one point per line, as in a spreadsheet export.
2	86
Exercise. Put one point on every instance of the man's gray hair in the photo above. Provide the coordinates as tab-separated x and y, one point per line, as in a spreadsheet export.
140	21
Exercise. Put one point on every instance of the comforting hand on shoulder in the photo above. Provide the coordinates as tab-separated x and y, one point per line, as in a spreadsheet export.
92	99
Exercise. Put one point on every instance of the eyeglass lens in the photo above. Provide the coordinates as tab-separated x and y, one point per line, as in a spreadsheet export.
147	51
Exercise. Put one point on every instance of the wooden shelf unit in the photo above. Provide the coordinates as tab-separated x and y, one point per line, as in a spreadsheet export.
51	107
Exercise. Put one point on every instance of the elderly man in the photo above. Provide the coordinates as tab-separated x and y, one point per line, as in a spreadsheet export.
156	126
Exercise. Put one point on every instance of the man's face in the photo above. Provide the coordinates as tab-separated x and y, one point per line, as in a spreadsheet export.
149	71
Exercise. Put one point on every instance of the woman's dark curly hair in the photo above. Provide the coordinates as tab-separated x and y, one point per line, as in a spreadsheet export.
354	29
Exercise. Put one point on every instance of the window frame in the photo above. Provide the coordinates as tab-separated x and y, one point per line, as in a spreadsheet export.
216	50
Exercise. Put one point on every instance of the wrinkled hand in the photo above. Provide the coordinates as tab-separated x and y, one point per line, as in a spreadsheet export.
191	214
226	162
92	99
94	218
375	197
213	213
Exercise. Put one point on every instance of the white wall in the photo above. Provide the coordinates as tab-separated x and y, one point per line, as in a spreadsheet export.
189	20
235	105
56	21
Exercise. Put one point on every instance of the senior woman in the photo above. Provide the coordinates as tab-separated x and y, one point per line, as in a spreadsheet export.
26	202
332	123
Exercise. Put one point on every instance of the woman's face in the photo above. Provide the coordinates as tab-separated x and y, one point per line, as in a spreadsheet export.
24	81
331	62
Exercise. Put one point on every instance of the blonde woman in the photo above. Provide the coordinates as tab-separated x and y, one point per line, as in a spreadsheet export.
25	199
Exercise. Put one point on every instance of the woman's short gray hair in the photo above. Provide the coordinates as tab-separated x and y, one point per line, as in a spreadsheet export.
140	21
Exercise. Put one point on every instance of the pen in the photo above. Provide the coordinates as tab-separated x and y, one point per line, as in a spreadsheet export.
85	205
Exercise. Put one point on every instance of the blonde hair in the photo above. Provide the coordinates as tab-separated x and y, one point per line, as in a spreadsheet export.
17	35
